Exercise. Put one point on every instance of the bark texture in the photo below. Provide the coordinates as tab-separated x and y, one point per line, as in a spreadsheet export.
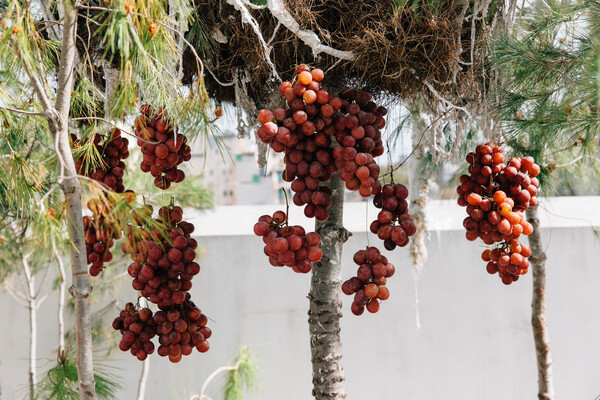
541	336
326	304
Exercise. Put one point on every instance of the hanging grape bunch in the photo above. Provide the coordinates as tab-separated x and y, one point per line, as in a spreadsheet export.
303	132
357	132
100	234
180	329
288	245
496	196
163	148
394	225
368	286
163	264
110	169
137	328
163	254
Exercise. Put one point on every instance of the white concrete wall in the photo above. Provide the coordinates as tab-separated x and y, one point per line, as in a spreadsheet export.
475	340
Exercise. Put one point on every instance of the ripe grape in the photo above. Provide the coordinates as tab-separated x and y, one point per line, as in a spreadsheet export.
394	225
288	245
162	146
496	195
109	169
163	254
368	286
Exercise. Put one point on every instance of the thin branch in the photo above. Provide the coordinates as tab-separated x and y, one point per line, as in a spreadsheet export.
275	30
255	6
40	90
43	281
248	18
61	298
18	297
309	38
202	396
574	161
421	137
22	111
110	123
12	151
217	80
445	101
41	300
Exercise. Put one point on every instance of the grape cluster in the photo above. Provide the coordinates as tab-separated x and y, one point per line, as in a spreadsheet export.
509	260
288	245
496	196
394	225
368	286
180	329
315	165
137	328
303	131
163	254
357	132
98	242
100	233
110	168
164	264
163	148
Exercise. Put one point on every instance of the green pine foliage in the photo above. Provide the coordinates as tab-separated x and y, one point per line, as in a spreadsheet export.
243	378
548	90
60	382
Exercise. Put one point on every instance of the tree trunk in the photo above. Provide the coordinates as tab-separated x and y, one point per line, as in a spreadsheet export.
57	115
81	288
325	302
538	310
32	308
71	187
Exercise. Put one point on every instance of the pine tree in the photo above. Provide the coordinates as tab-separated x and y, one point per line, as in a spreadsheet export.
548	100
50	56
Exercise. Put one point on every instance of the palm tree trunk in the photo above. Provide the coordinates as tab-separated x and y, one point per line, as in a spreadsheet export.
325	302
538	310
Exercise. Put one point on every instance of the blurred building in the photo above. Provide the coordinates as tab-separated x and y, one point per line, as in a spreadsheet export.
231	171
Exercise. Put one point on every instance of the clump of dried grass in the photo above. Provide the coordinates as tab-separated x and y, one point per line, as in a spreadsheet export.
397	49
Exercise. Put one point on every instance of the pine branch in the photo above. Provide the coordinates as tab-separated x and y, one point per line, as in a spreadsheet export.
21	111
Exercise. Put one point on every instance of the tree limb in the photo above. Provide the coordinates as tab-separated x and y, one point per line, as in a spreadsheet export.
309	38
21	111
